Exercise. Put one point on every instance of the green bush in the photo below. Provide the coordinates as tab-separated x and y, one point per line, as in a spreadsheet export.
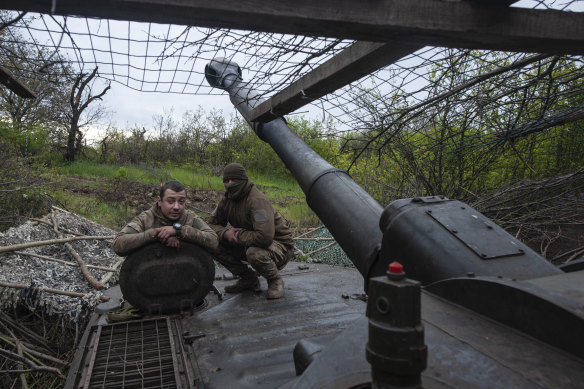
23	191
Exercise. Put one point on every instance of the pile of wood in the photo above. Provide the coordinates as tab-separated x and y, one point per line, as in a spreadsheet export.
547	215
27	357
53	272
59	264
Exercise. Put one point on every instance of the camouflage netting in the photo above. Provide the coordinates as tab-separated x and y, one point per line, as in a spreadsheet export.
39	274
319	246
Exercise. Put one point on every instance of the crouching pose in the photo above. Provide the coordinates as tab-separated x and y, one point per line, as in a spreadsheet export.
257	234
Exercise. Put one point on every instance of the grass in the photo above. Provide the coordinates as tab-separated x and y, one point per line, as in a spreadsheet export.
195	179
144	174
300	214
112	215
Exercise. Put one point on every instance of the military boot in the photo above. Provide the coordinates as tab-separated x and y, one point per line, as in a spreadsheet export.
275	288
268	269
248	281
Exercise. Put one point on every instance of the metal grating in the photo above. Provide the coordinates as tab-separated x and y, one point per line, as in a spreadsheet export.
137	354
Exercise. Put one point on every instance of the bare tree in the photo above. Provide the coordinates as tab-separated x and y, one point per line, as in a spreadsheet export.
80	98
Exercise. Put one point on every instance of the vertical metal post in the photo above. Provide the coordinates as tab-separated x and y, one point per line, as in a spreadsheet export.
395	348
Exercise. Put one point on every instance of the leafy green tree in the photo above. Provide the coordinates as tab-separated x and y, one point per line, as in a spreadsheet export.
43	72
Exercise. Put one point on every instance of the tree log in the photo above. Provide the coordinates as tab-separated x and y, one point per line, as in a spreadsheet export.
49	290
21	246
82	265
44	257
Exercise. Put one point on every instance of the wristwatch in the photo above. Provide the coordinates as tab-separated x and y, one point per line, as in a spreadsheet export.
177	227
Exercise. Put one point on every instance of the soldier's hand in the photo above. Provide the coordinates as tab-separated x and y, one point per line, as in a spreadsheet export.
173	242
164	233
231	235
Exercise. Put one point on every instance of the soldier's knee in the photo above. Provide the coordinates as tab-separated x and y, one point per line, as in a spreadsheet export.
256	255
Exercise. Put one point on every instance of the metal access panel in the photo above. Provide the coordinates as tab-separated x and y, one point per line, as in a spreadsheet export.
135	354
436	238
478	233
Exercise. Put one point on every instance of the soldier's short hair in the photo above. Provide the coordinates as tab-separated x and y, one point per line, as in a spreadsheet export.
172	185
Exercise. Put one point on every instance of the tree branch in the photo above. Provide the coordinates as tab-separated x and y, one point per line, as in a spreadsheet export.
21	246
106	269
12	21
49	290
30	363
82	265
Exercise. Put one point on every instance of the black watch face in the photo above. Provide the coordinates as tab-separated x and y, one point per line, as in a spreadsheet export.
177	226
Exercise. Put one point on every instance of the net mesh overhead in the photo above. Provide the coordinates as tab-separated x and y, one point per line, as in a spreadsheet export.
171	59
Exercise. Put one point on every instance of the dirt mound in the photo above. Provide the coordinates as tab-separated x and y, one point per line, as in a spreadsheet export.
140	196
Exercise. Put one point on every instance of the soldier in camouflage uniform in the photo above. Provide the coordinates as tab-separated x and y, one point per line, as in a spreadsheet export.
257	234
167	222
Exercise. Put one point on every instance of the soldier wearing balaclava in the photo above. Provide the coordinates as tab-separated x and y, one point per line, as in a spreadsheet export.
251	230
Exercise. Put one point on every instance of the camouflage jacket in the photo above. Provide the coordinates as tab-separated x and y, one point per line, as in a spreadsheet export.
140	230
254	214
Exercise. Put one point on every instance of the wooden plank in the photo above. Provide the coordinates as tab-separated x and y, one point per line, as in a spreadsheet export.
493	3
356	61
464	24
353	63
8	80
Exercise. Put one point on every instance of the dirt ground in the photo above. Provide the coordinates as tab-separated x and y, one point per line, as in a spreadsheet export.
140	196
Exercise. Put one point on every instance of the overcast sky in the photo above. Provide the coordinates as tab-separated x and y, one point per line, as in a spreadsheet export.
130	107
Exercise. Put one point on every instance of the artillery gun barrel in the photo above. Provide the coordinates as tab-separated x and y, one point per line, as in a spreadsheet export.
346	209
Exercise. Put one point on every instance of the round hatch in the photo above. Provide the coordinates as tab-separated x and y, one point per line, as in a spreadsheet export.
160	279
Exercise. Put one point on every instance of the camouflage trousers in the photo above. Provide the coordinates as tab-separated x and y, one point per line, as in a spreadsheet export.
266	261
